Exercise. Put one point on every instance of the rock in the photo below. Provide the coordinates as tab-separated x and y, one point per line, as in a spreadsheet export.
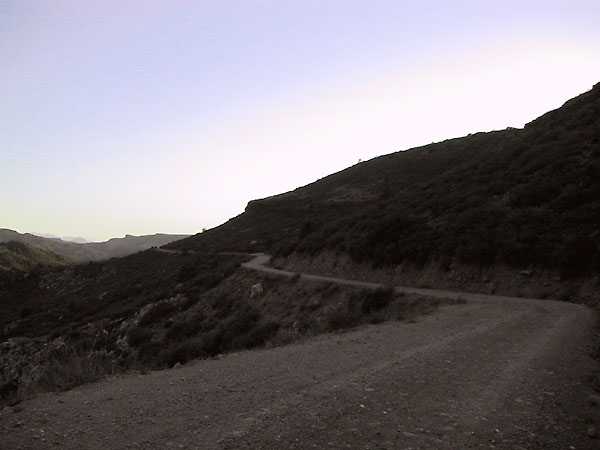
591	432
145	310
526	273
177	365
448	429
123	344
256	290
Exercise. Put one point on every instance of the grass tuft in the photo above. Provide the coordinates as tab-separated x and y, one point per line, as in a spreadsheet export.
72	365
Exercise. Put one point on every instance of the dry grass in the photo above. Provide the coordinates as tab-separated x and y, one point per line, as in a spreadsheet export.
72	365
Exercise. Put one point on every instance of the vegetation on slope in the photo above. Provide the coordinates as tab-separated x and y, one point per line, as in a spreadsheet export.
19	257
524	197
55	300
65	326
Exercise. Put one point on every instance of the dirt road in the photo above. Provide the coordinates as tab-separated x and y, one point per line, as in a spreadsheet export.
490	373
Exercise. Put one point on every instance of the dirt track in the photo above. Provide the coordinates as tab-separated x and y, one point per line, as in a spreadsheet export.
491	373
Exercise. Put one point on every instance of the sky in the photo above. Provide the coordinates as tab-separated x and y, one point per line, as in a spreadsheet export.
137	117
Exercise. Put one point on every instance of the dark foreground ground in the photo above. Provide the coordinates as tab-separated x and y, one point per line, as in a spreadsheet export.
490	373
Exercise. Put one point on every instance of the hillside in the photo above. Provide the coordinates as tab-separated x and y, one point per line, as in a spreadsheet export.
521	198
64	326
16	256
92	251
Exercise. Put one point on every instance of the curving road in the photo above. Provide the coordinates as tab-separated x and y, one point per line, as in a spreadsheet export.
260	261
495	372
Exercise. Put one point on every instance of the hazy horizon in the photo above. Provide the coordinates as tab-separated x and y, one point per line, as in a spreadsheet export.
146	117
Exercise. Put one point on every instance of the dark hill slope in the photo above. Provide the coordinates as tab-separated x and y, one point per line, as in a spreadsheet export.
521	197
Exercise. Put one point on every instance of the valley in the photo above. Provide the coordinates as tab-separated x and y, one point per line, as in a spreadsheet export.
440	297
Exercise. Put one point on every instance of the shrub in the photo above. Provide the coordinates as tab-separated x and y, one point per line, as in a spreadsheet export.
158	311
73	365
7	278
258	335
9	393
409	307
137	336
183	352
239	324
182	329
578	255
187	302
342	318
208	280
223	305
328	289
187	272
377	299
230	269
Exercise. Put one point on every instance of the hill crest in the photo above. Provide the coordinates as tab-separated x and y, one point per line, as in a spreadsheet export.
524	198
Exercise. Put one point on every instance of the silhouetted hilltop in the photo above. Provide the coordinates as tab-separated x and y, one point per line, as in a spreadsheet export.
521	197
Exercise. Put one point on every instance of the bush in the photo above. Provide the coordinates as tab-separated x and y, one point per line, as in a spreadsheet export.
137	336
7	278
578	255
187	272
342	318
258	335
328	289
377	299
73	365
183	352
158	312
182	329
233	328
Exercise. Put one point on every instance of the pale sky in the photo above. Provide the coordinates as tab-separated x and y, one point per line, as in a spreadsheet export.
168	116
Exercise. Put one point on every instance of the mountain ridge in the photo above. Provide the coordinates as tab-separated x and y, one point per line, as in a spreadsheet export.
90	251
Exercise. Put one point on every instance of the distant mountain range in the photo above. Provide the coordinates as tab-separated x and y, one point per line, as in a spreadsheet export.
90	251
78	240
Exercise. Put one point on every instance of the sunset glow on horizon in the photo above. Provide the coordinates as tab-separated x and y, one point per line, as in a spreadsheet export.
143	117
